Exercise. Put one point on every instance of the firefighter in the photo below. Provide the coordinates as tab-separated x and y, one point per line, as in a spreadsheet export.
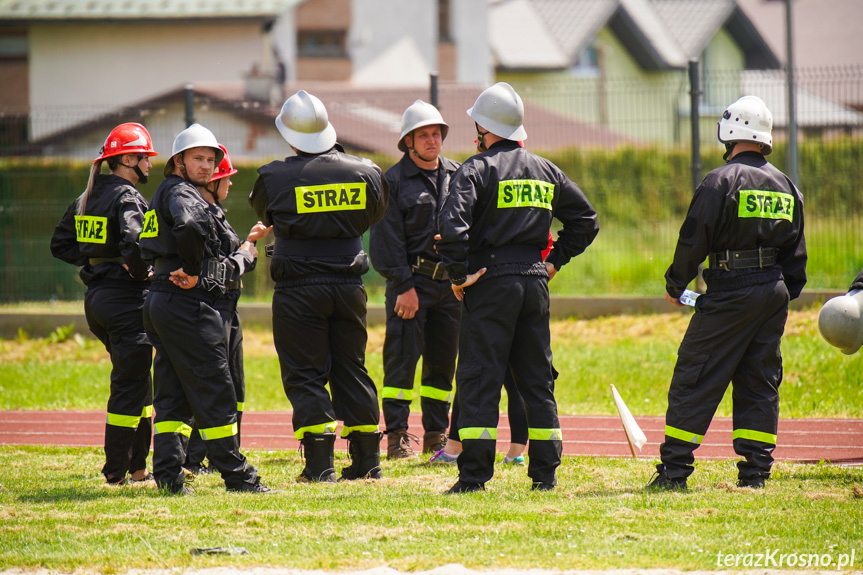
100	232
746	218
239	259
422	312
192	377
494	225
320	202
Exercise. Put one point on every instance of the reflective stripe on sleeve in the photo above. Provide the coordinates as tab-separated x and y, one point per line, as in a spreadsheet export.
754	436
397	393
220	432
477	433
240	406
361	428
117	420
539	434
683	435
172	427
328	427
147	411
435	393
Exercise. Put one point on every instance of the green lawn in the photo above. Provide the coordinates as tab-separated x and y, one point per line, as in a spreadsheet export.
55	514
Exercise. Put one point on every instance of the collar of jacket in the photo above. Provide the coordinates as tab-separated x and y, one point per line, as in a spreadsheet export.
410	169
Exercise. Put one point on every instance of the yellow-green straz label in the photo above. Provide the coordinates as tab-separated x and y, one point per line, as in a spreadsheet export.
151	225
762	204
91	229
525	194
331	198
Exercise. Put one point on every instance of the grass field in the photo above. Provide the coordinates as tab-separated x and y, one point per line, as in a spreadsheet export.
635	353
55	512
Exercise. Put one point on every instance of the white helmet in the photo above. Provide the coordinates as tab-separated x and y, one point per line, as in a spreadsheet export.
747	120
304	124
840	323
500	111
195	136
418	115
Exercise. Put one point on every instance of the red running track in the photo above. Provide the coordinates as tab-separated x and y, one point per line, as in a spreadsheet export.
799	440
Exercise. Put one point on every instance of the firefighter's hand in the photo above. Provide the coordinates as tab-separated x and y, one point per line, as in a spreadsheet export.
182	279
471	279
552	271
407	304
436	238
673	300
258	231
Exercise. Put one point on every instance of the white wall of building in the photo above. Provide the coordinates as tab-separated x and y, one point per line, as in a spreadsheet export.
470	32
88	69
393	42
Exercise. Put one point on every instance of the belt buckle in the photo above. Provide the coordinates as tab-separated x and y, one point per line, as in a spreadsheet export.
760	257
438	267
221	272
723	263
416	265
269	249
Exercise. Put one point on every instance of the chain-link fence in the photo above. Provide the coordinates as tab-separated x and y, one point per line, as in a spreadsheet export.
626	143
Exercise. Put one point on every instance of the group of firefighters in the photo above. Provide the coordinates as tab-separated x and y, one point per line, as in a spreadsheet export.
467	254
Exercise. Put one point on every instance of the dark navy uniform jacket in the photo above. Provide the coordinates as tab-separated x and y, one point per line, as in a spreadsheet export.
743	205
109	229
327	196
411	221
507	196
180	226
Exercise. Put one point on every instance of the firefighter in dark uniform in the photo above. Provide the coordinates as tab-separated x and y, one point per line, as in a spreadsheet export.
192	377
746	217
239	259
320	202
422	312
100	233
495	221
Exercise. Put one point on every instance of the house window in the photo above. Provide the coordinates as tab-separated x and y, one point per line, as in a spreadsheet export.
587	64
443	21
321	44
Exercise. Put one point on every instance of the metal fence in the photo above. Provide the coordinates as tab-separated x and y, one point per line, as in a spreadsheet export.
625	143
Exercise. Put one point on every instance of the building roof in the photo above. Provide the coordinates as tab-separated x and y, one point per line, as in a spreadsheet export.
659	34
84	10
366	119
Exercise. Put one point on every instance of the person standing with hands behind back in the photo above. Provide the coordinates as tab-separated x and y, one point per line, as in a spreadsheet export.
746	218
494	225
100	232
191	375
239	259
422	312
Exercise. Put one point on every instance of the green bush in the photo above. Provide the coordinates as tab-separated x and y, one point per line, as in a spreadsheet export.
640	193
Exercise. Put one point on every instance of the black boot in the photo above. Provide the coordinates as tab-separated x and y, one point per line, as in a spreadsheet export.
318	451
365	450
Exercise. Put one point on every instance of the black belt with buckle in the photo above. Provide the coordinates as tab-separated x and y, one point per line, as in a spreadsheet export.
735	260
211	268
431	268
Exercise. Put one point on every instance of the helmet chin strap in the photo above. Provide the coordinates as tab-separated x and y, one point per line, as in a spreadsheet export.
729	148
142	177
479	139
417	154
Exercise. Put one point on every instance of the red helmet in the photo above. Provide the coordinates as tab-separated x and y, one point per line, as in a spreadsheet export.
225	168
127	139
